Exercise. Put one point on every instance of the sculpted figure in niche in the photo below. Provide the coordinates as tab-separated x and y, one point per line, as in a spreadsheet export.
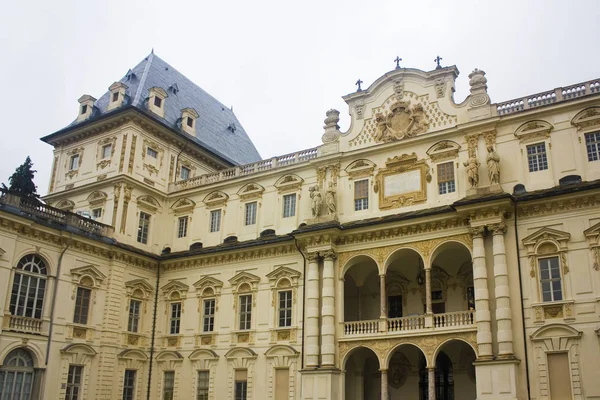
316	200
472	169
330	200
493	164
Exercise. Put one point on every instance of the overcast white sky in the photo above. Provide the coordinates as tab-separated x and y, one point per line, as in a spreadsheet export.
280	64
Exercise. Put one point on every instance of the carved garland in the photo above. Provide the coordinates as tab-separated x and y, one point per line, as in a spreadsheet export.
123	149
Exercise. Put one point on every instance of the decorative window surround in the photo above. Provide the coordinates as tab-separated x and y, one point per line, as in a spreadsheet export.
102	162
148	203
174	291
207	288
251	191
533	131
587	120
73	152
183	206
135	360
182	162
360	169
244	283
443	150
283	278
86	107
554	310
281	356
117	95
289	183
169	360
205	360
240	358
65	205
153	165
138	289
153	93
189	114
97	199
77	354
593	236
216	199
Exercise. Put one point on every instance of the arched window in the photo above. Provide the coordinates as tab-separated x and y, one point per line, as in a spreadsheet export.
29	287
17	375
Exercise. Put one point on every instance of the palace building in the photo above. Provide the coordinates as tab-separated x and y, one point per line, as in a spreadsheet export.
434	250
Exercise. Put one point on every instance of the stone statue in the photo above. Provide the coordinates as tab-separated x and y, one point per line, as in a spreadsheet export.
472	170
493	165
330	200
316	200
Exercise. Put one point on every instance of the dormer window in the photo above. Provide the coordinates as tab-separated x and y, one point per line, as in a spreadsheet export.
117	95
86	106
83	109
188	121
156	101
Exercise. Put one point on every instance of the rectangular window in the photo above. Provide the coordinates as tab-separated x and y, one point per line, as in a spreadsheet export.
250	213
134	315
106	151
83	109
215	220
202	385
151	152
74	164
285	308
82	306
445	176
74	382
245	311
241	384
289	205
190	122
182	227
97	213
129	384
143	227
208	317
157	101
168	385
559	376
550	279
115	96
592	145
175	321
184	173
282	383
361	195
536	157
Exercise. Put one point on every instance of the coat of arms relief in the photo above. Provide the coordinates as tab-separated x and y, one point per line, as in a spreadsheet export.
403	120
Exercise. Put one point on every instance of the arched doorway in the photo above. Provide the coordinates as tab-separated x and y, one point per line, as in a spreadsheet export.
363	375
403	372
17	375
444	378
361	297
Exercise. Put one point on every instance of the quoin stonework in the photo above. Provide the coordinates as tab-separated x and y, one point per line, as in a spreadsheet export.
435	250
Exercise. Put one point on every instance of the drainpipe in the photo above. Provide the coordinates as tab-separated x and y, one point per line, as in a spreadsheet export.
522	307
153	331
53	305
303	301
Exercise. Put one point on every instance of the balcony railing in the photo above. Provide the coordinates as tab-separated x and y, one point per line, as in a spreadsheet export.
416	324
550	97
24	324
245	170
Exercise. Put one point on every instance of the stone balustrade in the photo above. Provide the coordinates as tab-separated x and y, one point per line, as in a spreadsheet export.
454	319
549	97
361	327
406	323
25	324
245	170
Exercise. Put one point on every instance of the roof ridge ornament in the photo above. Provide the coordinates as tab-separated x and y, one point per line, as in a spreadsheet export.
437	60
397	61
358	83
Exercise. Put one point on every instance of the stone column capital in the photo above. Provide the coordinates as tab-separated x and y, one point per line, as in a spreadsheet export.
498	229
312	257
477	231
329	255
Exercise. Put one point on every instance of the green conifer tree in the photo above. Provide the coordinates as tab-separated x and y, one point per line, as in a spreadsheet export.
21	182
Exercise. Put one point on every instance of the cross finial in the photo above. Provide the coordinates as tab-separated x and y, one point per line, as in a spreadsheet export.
358	83
437	60
397	61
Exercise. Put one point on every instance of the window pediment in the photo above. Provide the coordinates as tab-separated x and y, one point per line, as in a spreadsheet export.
97	198
443	150
533	130
360	168
203	354
65	205
216	198
244	277
183	205
208	282
240	352
534	240
593	234
288	183
139	284
79	275
588	118
148	203
283	273
169	355
175	287
554	331
251	191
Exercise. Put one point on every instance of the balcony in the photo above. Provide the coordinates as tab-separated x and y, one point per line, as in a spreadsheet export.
25	324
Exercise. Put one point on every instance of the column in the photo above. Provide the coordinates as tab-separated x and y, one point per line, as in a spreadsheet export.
502	292
428	290
328	311
384	384
482	304
360	384
382	304
312	311
431	382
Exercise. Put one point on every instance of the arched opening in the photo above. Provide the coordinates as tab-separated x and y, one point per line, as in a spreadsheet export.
404	287
363	375
452	288
18	379
403	372
454	373
361	297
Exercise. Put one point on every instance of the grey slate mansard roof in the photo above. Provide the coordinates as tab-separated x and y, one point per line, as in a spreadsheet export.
214	118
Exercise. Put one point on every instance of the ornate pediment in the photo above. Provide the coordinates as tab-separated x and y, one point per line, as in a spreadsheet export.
533	130
148	203
245	277
97	198
139	285
402	121
360	168
87	275
175	286
593	233
588	118
208	282
65	205
289	182
216	198
183	205
547	234
443	150
251	191
283	272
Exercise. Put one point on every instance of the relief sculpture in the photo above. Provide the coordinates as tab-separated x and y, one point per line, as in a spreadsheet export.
402	121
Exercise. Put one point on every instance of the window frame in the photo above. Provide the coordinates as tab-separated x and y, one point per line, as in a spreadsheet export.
289	211
245	315
550	280
129	384
18	304
151	152
241	389
81	312
215	220
187	174
133	318
361	203
74	166
592	148
143	229
182	226
74	381
168	392
209	317
247	206
446	186
175	321
287	310
158	102
204	388
538	160
104	150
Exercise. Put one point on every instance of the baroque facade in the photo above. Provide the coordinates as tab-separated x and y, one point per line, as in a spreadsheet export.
435	250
